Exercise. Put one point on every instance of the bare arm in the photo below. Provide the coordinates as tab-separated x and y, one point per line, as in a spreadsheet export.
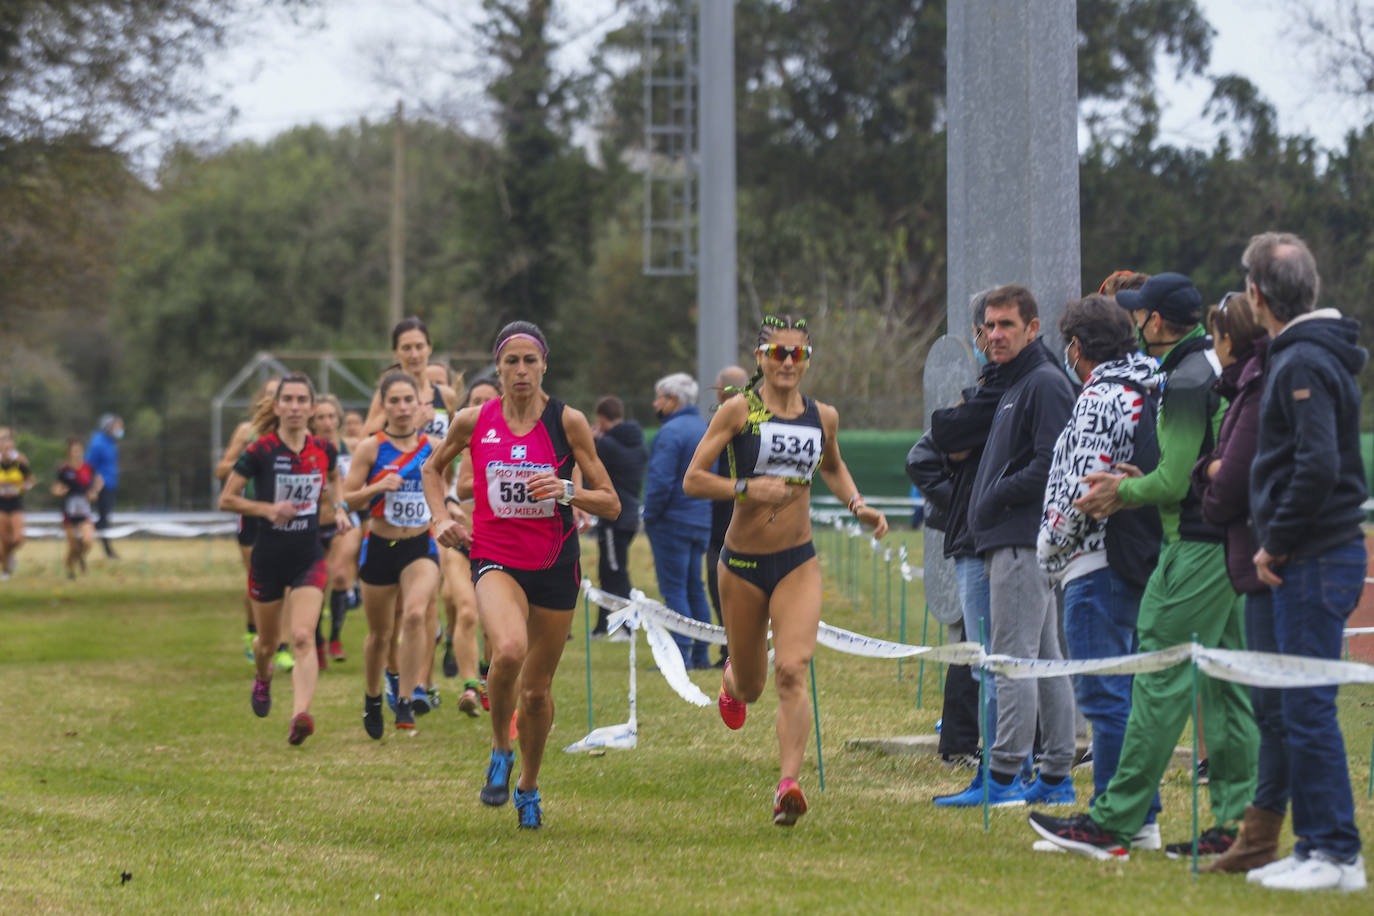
231	499
357	492
596	494
237	443
700	480
342	522
836	474
448	531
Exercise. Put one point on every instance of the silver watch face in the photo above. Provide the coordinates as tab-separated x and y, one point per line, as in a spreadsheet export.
741	485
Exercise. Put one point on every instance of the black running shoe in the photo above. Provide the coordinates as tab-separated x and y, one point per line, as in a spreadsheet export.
1213	842
497	790
372	717
405	715
1079	834
262	697
450	660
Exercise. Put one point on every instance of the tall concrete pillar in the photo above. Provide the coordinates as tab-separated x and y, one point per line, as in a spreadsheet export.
1012	130
717	310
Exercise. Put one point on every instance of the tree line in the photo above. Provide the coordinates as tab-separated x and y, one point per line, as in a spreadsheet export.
143	294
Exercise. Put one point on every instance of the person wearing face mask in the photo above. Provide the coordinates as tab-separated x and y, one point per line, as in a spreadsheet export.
1102	565
1188	597
103	455
943	464
678	525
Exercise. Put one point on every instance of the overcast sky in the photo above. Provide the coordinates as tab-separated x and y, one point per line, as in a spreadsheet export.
293	75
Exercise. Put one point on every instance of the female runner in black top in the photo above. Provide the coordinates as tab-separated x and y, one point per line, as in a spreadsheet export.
292	471
775	440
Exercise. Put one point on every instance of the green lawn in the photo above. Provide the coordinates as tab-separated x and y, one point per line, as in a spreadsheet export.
129	748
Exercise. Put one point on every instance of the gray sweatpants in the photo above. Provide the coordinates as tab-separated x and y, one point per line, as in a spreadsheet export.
1025	624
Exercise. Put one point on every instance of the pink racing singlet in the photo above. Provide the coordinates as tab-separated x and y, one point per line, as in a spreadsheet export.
508	526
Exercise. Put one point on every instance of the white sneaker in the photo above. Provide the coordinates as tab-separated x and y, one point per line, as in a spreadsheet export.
1047	846
1319	873
1147	838
1258	875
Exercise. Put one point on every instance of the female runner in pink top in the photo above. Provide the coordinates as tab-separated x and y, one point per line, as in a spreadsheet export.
522	447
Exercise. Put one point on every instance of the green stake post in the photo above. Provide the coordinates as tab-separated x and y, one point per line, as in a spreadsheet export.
902	639
921	676
887	558
587	632
987	726
816	714
873	591
1195	747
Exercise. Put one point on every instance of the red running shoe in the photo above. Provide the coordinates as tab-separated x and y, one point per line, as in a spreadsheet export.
302	727
789	804
732	711
336	651
321	657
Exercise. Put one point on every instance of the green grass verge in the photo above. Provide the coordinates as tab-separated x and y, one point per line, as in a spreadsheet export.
129	748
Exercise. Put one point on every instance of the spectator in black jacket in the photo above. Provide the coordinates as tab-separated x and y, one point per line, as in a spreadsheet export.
620	446
1307	488
943	465
1004	517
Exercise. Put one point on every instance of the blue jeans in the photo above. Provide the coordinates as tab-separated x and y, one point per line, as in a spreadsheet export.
1100	612
1318	594
1271	791
975	597
677	563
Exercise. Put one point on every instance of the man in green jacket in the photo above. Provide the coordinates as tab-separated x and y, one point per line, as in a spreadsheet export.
1188	594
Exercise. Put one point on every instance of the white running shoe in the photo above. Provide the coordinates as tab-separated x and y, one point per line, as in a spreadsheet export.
1277	867
1147	838
1320	873
1046	846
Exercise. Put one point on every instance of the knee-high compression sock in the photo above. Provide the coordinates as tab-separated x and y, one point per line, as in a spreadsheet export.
338	609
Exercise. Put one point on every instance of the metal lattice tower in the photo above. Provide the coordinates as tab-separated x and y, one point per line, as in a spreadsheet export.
670	129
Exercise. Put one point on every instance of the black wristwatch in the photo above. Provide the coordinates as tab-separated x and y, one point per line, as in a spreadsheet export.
741	488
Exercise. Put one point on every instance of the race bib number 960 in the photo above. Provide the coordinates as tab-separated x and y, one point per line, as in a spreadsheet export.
508	490
786	450
407	508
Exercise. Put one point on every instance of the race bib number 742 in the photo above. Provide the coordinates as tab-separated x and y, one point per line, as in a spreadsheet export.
301	490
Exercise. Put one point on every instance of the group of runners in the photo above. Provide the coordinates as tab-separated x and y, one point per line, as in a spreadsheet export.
77	487
479	503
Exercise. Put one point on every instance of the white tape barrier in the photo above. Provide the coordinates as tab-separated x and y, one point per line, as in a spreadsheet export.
156	524
1260	669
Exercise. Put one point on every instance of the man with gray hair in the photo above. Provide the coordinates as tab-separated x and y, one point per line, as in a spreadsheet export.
1307	487
678	525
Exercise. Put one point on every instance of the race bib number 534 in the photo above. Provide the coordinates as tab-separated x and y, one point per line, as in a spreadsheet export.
786	450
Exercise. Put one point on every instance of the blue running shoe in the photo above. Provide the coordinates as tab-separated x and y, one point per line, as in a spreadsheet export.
391	686
497	789
527	809
419	701
999	796
1042	793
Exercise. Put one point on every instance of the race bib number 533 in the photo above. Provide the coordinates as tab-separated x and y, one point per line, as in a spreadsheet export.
508	490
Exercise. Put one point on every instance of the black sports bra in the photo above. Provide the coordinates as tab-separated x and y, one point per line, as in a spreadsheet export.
769	446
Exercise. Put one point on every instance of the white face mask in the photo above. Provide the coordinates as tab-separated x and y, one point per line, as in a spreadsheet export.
119	433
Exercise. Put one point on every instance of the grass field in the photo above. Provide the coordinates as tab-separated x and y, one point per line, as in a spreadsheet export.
130	749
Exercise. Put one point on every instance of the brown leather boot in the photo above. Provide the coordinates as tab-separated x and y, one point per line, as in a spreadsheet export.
1256	844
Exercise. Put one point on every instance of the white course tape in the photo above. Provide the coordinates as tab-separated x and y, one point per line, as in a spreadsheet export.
1260	669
